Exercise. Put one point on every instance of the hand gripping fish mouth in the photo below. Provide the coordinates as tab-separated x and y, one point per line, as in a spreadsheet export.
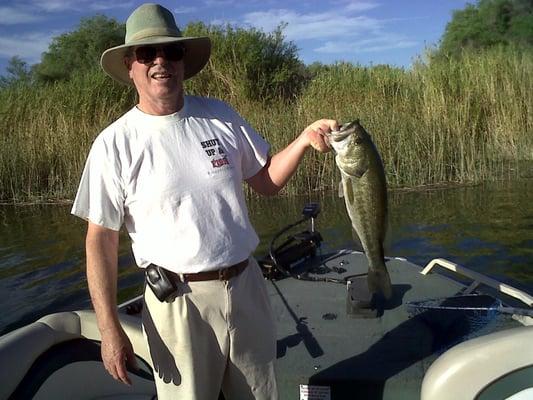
344	131
337	139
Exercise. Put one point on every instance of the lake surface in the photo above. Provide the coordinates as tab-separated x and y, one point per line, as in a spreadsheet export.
488	228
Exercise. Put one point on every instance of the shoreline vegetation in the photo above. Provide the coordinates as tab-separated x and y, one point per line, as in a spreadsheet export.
442	122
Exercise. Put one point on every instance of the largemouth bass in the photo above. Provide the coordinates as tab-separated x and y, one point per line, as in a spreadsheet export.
364	189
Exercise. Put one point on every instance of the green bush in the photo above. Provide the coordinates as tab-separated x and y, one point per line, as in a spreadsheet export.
80	50
489	23
248	63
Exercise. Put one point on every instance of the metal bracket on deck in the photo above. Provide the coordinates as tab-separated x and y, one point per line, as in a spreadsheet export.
479	279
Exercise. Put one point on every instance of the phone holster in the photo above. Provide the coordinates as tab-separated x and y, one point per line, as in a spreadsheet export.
163	287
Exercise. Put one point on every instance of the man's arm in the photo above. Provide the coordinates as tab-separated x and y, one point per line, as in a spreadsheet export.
279	169
102	271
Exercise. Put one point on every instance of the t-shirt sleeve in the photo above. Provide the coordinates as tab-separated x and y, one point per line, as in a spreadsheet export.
100	196
255	148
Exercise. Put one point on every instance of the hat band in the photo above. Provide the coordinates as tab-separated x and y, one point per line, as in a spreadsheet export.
150	32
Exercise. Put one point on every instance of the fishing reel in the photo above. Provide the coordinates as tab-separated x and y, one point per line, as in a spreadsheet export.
282	259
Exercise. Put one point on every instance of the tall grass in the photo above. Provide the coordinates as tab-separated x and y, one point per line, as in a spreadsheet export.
449	121
46	131
439	122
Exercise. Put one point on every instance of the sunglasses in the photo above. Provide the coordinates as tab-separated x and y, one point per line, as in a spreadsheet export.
171	52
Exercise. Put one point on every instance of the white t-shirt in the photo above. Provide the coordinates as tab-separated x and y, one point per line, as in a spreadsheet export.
175	181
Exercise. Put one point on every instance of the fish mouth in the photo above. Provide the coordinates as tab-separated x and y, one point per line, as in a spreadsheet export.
341	134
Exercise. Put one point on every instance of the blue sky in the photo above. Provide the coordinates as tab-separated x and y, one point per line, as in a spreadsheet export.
360	31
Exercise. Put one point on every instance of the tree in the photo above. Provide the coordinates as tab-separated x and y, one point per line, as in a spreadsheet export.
489	23
259	65
17	71
80	50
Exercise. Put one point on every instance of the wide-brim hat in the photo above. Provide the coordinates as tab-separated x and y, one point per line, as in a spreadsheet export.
152	24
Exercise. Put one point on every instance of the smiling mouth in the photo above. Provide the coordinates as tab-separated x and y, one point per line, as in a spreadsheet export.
161	76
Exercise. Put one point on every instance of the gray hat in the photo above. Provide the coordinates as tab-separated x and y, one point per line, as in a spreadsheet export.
152	24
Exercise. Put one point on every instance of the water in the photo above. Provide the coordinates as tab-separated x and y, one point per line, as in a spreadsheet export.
488	228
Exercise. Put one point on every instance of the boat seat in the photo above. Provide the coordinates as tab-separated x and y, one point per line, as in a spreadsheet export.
494	366
58	356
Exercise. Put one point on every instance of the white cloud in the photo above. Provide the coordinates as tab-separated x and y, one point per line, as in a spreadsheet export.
360	5
374	43
103	5
218	3
365	46
55	5
33	12
16	15
28	46
79	5
312	26
340	30
184	10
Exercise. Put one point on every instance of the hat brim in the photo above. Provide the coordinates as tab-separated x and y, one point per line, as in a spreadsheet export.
197	52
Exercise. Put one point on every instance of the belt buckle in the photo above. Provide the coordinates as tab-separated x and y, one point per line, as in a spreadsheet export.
223	274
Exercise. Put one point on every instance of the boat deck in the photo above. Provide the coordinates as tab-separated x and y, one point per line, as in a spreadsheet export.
320	344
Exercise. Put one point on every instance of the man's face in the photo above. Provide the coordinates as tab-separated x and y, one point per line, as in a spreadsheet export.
157	75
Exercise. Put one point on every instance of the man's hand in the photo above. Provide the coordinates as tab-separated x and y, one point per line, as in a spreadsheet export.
117	354
315	134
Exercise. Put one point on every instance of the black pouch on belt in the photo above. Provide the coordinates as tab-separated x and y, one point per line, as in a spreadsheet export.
157	278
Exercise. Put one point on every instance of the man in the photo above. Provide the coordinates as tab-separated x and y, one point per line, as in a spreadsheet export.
171	170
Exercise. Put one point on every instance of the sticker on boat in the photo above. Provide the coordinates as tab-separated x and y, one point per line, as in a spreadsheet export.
313	392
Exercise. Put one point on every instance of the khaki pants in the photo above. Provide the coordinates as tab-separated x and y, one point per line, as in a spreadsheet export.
215	335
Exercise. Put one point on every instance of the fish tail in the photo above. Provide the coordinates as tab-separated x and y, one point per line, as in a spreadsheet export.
379	279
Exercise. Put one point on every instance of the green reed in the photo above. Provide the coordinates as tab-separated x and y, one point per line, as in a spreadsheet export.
446	121
46	131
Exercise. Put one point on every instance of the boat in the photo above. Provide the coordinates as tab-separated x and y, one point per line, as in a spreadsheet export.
422	344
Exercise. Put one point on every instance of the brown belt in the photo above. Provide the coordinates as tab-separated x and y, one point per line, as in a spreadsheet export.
222	274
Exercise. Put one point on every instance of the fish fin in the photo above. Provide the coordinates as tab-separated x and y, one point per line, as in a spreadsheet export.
349	190
357	240
341	190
